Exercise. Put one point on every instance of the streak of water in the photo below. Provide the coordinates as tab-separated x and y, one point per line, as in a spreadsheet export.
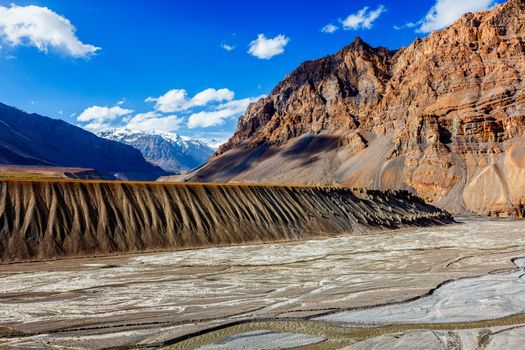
471	299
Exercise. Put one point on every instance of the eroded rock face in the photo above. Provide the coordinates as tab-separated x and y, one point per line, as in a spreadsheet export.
443	117
49	219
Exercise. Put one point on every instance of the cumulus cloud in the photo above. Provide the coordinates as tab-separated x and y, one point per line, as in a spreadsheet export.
228	47
218	115
329	28
211	95
153	121
140	117
266	48
177	99
207	119
171	101
42	28
363	19
99	114
446	12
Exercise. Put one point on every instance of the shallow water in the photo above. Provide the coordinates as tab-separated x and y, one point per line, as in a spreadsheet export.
471	299
263	340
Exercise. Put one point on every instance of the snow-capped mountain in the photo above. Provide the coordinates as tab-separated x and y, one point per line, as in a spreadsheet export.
169	151
213	143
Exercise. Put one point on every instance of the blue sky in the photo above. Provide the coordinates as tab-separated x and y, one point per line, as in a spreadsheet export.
120	53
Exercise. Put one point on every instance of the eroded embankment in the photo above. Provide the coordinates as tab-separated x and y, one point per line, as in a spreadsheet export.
52	219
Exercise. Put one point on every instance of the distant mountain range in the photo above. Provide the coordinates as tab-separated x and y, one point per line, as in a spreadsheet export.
171	152
35	140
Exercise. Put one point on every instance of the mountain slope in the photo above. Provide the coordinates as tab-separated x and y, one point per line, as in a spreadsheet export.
442	117
31	139
169	151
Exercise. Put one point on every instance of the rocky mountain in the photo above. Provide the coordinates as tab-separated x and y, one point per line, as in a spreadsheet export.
35	140
443	117
171	152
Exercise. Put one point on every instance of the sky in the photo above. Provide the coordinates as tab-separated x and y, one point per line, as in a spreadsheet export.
189	67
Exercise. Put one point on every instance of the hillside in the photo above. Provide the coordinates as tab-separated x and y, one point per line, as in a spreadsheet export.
443	118
35	140
169	151
51	219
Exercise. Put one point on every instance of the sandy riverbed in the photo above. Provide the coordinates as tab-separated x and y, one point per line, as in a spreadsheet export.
161	299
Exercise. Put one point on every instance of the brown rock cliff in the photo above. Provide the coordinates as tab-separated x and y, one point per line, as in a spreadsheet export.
443	117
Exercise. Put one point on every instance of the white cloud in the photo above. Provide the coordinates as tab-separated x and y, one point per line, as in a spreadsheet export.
171	101
228	47
407	25
153	121
363	19
211	95
177	100
140	117
446	12
218	115
329	28
264	48
207	119
98	114
239	106
42	28
95	126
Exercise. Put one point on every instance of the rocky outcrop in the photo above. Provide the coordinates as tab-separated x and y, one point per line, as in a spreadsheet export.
51	219
443	117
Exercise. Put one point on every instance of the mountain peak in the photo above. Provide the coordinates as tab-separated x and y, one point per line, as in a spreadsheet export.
358	42
168	150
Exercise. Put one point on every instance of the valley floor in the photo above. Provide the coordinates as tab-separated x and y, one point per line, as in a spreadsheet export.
318	294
